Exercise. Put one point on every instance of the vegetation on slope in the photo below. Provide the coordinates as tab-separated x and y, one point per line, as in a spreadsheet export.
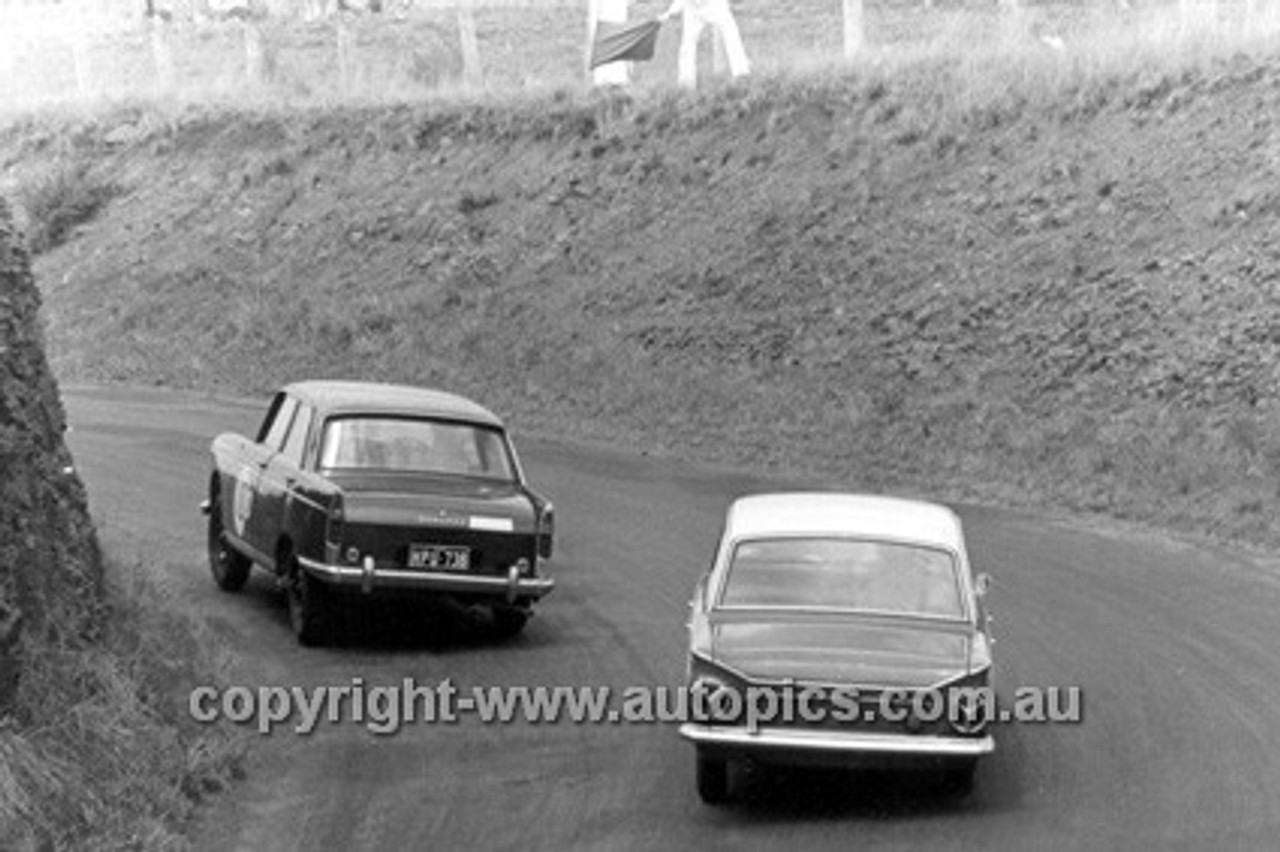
1058	288
94	752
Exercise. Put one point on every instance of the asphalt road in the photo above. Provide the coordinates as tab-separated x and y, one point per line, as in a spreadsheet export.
1176	649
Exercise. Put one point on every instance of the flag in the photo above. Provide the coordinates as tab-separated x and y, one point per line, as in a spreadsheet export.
624	42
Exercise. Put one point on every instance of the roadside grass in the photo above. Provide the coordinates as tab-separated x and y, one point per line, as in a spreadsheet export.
99	753
58	198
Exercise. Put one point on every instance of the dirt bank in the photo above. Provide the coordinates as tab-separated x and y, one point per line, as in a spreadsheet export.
95	752
1061	296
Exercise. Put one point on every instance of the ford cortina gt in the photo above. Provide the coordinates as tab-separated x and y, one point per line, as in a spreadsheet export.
355	489
839	629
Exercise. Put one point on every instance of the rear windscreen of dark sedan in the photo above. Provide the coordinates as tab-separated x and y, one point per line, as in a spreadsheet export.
843	574
415	446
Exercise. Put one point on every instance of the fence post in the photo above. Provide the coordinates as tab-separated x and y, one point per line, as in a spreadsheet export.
258	62
80	60
471	71
1013	28
162	54
346	52
855	30
8	55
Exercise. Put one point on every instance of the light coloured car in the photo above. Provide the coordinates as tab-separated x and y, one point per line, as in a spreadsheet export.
839	629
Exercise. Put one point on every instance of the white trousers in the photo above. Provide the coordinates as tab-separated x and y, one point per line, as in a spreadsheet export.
721	18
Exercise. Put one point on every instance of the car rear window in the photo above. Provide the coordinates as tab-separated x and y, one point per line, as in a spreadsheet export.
843	574
414	445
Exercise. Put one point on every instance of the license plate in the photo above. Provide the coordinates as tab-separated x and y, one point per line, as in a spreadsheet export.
430	557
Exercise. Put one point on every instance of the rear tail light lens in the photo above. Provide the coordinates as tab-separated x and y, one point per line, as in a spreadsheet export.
971	704
333	525
337	520
546	530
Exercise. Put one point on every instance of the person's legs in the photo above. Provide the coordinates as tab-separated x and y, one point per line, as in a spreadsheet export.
690	31
728	31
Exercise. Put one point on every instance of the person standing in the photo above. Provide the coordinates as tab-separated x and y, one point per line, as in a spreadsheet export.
698	14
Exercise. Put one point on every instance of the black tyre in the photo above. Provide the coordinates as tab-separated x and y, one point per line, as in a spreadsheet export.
713	779
229	566
508	621
310	610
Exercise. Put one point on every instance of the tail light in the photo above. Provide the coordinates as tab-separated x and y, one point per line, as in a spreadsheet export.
333	529
546	530
971	704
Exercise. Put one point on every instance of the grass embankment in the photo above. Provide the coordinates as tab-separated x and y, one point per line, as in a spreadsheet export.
1036	278
97	752
94	750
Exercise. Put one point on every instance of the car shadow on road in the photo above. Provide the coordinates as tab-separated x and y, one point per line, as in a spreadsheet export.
779	794
424	624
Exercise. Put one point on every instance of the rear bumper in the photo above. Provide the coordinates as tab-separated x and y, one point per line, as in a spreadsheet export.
368	578
803	745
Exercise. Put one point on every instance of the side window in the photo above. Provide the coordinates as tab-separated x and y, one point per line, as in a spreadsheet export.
280	425
295	445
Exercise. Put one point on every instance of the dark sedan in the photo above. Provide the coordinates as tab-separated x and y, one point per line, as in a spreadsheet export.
354	488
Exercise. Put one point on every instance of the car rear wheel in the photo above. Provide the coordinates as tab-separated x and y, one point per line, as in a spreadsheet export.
713	779
229	566
310	611
508	621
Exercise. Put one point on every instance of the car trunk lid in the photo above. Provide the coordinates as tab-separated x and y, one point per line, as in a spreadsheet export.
435	501
881	652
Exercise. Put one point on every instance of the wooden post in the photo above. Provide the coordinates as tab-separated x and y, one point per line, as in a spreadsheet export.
855	30
1195	17
8	60
1012	24
162	54
80	60
258	62
346	53
471	71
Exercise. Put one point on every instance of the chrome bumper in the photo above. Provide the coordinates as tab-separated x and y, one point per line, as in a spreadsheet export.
834	742
369	577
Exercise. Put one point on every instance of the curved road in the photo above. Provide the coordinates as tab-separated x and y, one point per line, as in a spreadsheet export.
1176	649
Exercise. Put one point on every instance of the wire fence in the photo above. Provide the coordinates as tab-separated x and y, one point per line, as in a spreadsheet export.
310	50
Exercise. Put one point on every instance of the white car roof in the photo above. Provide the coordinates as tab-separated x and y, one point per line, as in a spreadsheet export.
838	513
